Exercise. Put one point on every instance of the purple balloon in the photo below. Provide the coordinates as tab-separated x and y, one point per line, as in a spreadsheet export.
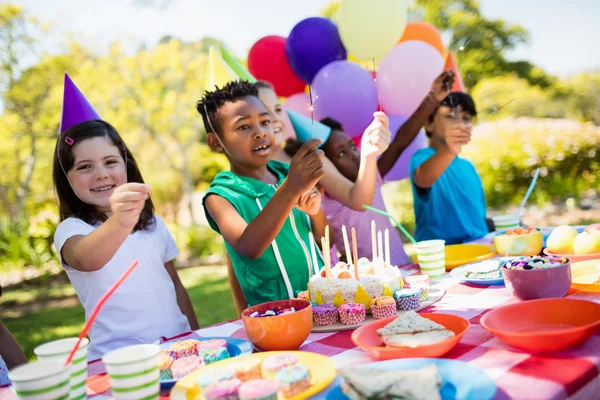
400	170
312	44
345	91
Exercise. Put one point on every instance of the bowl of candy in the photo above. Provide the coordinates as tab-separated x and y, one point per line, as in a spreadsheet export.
539	277
278	325
519	242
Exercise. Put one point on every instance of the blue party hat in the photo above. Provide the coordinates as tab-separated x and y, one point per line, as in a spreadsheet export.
307	129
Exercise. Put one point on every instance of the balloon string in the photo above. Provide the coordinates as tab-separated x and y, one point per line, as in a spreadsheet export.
312	111
378	94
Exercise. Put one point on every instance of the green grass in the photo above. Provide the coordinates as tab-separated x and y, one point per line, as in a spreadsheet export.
49	320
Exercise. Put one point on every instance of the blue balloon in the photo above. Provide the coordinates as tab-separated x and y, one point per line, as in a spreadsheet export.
313	43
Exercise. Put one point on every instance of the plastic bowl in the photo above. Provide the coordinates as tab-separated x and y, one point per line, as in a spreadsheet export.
532	284
544	325
366	338
519	245
281	332
574	258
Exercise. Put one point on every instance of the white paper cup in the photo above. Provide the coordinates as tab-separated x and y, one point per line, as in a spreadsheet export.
431	255
504	222
133	372
59	350
41	380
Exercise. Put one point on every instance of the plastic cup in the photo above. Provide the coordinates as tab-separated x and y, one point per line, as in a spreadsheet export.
505	222
431	255
133	372
59	350
41	380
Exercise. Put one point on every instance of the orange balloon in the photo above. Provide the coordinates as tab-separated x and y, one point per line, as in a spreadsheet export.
458	85
424	32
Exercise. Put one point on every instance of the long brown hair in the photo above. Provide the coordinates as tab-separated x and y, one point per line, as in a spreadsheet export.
69	204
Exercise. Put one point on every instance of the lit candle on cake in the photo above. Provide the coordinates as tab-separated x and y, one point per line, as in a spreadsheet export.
379	247
355	254
346	245
373	240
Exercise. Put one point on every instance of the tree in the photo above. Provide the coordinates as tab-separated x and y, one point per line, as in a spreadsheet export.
584	96
480	44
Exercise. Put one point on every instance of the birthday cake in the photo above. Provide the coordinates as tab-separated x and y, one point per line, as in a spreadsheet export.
376	279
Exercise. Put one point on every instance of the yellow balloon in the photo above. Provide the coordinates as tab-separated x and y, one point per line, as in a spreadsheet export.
369	29
218	73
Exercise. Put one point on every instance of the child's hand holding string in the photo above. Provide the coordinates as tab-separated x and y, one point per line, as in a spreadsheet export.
377	136
306	168
310	202
442	86
127	203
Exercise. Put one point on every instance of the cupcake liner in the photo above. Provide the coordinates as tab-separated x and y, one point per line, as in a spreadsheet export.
384	311
166	374
328	318
408	303
352	318
424	293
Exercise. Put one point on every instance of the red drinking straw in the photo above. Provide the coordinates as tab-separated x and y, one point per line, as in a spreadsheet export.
99	305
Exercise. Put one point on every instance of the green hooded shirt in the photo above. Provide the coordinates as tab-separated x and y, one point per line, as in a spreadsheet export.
288	258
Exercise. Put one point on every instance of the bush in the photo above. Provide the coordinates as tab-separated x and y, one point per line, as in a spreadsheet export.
197	241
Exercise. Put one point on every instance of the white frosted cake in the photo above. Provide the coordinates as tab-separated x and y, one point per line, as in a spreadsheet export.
376	279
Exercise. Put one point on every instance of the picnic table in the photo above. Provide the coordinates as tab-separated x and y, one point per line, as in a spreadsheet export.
572	373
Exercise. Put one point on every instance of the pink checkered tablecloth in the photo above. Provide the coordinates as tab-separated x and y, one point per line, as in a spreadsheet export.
572	374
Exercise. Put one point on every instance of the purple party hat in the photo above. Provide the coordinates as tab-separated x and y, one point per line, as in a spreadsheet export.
76	108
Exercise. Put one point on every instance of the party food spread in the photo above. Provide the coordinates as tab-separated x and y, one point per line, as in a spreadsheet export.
412	330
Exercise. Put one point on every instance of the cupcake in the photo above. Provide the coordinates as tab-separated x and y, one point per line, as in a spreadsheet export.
248	369
215	375
272	365
164	366
418	282
259	389
211	344
293	380
185	348
383	307
183	366
214	355
408	299
326	314
352	313
222	390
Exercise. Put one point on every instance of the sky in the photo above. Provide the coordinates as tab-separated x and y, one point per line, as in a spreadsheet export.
564	34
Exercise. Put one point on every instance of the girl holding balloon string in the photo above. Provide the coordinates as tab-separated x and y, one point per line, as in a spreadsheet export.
340	149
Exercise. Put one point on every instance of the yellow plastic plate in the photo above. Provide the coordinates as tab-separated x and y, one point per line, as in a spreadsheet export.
585	275
322	371
461	254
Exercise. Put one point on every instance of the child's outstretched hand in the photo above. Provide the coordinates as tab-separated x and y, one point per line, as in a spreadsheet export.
310	202
377	136
442	86
457	137
127	203
306	168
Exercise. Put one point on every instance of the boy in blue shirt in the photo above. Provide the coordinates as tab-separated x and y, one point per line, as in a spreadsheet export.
449	200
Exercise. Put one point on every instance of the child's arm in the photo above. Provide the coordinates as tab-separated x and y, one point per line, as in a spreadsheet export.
183	298
9	348
428	173
375	140
252	239
310	203
91	252
410	129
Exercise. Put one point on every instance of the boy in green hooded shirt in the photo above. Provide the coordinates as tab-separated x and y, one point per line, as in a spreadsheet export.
263	209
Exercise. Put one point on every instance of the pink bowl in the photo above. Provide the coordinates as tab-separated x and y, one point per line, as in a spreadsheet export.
533	284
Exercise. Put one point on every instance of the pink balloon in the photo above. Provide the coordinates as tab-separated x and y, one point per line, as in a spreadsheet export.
405	76
400	170
300	103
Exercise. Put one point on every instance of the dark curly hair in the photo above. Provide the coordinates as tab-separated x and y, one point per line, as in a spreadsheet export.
68	203
210	103
453	100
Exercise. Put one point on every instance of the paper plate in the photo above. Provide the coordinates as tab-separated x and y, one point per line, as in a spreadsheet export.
236	347
573	257
544	325
435	294
322	371
461	254
459	273
369	341
586	275
461	381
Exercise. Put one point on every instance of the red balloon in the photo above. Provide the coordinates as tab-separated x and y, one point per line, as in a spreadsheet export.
267	61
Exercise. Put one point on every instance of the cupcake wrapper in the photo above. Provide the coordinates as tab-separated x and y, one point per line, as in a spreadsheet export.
352	318
165	374
408	303
328	318
381	312
424	293
249	375
185	353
